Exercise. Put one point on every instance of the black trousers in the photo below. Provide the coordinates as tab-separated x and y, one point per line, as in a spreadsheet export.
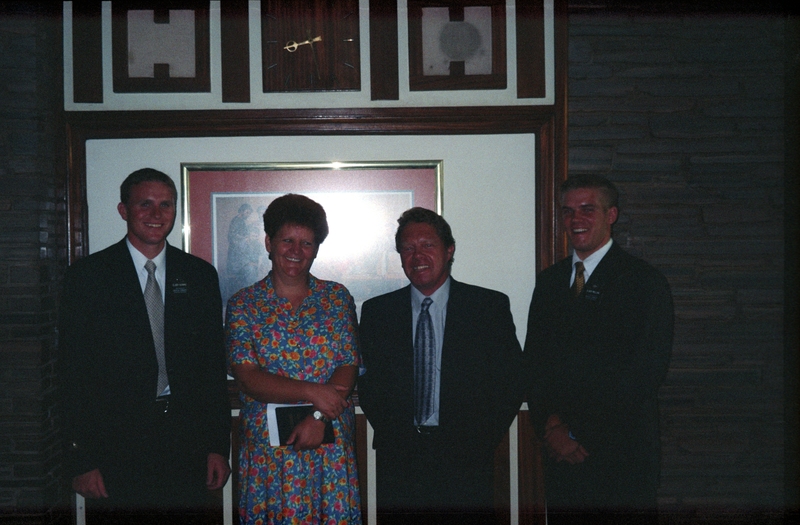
426	478
153	477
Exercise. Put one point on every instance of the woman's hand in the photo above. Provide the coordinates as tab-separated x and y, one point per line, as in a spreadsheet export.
307	435
327	398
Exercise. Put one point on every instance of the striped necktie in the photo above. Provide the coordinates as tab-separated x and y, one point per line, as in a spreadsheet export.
424	365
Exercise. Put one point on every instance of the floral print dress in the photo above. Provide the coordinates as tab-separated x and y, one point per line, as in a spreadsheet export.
278	485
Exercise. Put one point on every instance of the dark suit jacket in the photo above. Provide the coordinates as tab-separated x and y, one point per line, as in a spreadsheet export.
597	361
109	369
479	397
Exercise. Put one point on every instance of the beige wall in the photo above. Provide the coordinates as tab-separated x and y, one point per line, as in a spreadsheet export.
489	196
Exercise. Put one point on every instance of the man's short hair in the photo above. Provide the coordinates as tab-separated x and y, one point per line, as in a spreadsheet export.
608	192
425	216
145	175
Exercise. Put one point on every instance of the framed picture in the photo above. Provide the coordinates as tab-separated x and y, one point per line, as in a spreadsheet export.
160	49
456	45
223	205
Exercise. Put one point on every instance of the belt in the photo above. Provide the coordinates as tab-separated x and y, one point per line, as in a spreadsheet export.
427	430
162	405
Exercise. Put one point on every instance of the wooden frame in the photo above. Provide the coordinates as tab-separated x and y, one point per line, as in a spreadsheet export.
546	122
161	82
457	79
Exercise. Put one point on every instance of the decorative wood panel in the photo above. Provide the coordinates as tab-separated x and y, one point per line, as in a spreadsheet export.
531	80
162	79
87	52
461	42
384	73
235	46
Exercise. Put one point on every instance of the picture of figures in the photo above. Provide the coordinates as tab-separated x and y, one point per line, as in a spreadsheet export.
223	206
359	251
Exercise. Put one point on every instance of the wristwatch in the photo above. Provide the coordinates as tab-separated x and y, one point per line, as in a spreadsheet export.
319	416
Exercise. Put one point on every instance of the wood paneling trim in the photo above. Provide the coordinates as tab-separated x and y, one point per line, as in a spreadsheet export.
83	126
235	45
560	156
531	80
531	477
384	75
87	53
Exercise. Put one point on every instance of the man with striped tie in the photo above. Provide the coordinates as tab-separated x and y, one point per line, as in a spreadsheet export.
440	387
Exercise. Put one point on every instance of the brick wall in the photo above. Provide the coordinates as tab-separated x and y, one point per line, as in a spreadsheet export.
686	115
31	229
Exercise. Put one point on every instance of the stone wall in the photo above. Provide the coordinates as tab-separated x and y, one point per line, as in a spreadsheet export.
686	114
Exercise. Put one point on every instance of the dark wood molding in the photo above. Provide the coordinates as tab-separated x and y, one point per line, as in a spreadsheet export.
87	52
83	126
531	475
552	244
384	73
235	47
531	80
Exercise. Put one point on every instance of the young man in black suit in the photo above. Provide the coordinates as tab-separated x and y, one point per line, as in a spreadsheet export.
598	344
435	439
147	434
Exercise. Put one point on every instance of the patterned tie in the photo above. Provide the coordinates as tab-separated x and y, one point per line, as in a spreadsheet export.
424	365
155	310
579	278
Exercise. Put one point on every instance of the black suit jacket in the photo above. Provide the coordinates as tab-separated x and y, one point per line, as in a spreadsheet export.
479	396
597	361
109	369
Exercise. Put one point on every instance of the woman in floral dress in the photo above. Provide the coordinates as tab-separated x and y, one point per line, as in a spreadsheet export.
291	338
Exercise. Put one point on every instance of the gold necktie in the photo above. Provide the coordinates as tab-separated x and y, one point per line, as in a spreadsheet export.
579	279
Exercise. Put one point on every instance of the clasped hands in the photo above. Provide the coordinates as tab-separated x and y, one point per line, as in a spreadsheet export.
309	433
560	444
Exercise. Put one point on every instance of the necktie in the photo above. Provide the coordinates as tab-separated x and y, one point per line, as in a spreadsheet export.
579	278
424	365
155	310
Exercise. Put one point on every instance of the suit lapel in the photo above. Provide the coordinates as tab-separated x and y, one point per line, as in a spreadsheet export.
458	316
124	278
123	284
608	269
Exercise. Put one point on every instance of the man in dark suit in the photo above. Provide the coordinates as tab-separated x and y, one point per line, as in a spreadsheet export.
147	431
599	342
435	439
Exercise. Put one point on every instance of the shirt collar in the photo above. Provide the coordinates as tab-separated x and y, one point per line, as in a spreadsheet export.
139	258
439	297
591	262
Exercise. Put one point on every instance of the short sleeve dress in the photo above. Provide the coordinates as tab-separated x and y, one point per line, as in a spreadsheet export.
278	485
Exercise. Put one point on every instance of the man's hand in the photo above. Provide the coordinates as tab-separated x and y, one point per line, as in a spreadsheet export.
559	443
218	471
90	485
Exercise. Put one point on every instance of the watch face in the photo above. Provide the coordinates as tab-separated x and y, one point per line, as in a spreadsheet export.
310	45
